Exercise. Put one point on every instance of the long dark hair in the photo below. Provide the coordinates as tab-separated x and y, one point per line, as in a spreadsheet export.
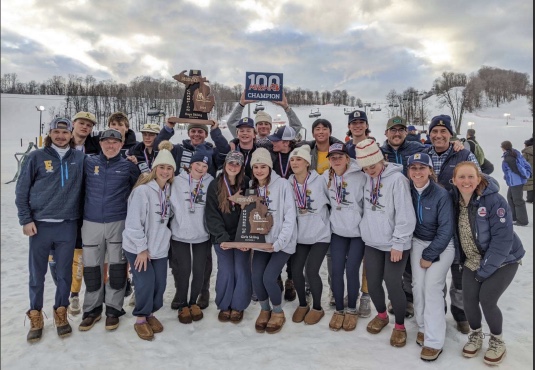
222	194
508	147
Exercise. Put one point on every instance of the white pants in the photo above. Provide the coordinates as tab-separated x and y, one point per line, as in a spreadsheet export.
427	290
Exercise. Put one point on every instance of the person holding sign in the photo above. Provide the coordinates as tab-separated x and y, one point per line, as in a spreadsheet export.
345	183
313	234
190	236
277	195
386	227
222	215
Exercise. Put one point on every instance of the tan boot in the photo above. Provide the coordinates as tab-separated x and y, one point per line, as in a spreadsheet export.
300	313
474	344
430	354
420	339
496	352
155	324
398	338
376	325
337	321
314	316
36	325
196	312
184	315
144	331
262	321
350	321
62	325
275	323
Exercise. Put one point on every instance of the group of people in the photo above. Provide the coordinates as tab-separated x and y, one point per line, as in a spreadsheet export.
406	211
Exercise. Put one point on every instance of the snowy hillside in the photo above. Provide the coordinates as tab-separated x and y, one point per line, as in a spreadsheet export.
209	344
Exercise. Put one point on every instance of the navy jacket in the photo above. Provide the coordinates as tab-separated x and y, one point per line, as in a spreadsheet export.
138	151
108	184
92	143
434	215
223	148
492	228
446	171
49	187
401	155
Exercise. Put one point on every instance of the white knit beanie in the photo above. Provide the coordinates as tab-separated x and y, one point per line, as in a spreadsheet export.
261	156
164	157
263	117
368	153
302	152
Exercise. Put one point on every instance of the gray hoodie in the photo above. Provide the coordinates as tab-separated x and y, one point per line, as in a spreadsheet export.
345	221
391	222
143	228
313	226
281	204
187	226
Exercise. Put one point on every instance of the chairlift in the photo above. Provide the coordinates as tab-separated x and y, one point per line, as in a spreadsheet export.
314	114
348	111
390	105
373	109
396	105
259	106
155	112
378	109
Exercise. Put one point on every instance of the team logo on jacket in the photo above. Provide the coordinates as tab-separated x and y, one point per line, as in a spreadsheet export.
95	172
501	212
482	211
48	166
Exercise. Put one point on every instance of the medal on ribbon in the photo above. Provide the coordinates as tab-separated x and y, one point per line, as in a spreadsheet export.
301	195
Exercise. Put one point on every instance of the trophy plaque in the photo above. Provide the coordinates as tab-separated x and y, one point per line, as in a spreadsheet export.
197	102
255	223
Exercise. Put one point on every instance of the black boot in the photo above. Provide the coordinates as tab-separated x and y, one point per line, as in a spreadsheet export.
203	300
289	291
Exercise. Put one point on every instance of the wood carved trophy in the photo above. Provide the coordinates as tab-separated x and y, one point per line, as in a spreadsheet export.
197	102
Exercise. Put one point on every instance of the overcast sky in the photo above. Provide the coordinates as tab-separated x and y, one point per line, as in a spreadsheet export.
366	47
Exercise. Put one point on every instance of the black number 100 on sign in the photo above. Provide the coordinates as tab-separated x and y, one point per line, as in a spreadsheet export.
263	86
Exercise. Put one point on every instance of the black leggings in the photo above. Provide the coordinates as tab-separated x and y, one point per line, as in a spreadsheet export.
379	268
487	295
182	267
309	257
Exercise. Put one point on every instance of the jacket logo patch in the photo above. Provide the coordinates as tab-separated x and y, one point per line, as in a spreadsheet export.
95	172
482	211
501	212
502	220
48	166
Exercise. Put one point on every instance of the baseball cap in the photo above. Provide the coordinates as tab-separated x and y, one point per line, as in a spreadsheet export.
152	128
111	133
245	121
357	115
234	157
282	133
420	158
396	121
411	128
85	115
61	123
337	148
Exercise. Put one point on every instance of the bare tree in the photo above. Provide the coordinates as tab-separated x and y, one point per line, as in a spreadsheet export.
450	92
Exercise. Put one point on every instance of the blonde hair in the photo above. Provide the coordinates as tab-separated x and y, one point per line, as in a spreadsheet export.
145	177
482	184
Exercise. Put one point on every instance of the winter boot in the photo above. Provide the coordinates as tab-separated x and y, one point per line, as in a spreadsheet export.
74	305
337	321
475	342
289	291
314	316
463	327
376	325
262	321
155	324
398	338
420	339
36	325
196	312
275	323
409	311
350	320
365	306
300	313
203	300
430	354
496	352
62	325
175	303
184	315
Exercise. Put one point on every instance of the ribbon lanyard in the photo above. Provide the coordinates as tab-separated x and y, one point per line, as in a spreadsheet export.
164	201
284	171
149	162
229	192
301	195
264	195
374	195
246	156
193	194
338	188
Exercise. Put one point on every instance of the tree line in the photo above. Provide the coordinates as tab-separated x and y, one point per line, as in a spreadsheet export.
148	99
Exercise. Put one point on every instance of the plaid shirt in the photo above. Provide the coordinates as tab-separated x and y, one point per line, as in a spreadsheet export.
438	160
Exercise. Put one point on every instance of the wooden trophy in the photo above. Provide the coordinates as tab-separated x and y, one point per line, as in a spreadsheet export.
255	223
197	102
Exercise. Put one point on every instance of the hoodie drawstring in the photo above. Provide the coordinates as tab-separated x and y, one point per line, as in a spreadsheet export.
64	176
420	211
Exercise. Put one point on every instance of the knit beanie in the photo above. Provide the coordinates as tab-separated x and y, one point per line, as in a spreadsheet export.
262	116
261	156
368	153
164	156
302	152
201	155
198	125
442	120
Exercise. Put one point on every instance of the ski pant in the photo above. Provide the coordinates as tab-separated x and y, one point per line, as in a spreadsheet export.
150	285
456	293
379	267
487	295
266	268
427	288
59	236
309	257
208	267
100	239
529	196
515	198
346	255
188	259
233	283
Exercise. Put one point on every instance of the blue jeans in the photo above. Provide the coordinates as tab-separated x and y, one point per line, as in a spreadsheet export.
233	284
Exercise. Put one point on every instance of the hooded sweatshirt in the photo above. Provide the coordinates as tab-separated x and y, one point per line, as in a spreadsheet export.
391	221
345	221
143	228
313	225
280	202
187	226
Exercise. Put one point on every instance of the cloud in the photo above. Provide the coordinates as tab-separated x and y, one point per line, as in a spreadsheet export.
365	47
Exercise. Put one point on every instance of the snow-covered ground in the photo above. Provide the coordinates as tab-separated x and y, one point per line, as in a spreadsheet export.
209	344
